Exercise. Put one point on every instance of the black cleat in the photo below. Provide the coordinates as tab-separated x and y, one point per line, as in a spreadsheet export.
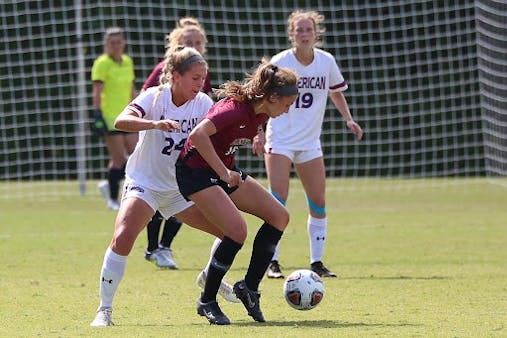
212	311
250	300
321	270
274	270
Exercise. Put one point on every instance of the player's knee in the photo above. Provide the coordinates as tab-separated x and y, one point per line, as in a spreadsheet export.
124	239
281	219
237	233
285	217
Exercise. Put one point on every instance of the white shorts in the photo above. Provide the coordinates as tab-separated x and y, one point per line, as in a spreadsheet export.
168	202
296	156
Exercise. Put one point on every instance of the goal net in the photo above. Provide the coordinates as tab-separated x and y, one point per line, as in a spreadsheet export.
427	82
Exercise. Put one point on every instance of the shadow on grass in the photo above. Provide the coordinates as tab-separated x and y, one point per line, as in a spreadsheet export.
372	277
321	324
398	277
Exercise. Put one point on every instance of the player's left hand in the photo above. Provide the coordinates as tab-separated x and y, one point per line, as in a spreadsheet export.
355	128
232	178
258	143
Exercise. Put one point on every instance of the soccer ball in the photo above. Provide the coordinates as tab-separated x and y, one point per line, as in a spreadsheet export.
303	289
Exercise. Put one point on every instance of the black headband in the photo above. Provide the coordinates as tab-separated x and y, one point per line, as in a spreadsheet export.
286	90
182	67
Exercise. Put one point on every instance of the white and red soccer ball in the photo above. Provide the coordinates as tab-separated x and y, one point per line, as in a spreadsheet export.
303	289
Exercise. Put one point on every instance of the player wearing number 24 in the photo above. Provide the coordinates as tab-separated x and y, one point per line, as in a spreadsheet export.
164	117
295	137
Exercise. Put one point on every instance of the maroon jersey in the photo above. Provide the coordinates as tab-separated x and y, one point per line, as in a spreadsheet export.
154	77
236	124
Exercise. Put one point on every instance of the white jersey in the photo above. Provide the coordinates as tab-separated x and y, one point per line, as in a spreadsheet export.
152	164
301	127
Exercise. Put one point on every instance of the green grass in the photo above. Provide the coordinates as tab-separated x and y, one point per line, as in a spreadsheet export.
415	259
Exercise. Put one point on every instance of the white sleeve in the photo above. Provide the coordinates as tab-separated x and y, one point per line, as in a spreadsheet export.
276	58
205	104
337	82
142	105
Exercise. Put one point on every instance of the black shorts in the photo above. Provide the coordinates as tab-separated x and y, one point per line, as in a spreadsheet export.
192	180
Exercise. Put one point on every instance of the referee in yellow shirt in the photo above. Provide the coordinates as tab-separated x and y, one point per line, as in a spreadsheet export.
113	89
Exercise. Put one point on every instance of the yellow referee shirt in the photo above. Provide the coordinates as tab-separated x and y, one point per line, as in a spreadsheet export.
117	78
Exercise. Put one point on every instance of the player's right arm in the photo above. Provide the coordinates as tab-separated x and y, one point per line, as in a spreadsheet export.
128	120
99	76
137	116
98	86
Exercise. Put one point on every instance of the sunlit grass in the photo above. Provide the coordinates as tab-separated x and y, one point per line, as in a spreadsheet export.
415	258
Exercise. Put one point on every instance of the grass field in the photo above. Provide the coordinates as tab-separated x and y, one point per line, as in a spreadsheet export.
414	261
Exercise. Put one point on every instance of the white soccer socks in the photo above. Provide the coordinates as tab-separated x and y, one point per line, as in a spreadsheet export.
113	269
317	230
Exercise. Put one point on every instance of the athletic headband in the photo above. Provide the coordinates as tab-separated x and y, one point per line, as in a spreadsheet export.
189	61
286	90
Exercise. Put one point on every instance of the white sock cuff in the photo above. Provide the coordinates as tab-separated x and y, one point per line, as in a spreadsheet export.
114	262
317	222
110	254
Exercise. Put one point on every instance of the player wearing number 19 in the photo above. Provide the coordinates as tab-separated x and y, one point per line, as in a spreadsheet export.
295	136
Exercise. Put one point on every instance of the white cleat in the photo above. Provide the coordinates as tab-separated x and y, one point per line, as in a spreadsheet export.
274	270
104	189
162	257
225	289
113	204
103	318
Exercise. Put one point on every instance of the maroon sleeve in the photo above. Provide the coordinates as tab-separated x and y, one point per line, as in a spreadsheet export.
227	113
206	87
154	77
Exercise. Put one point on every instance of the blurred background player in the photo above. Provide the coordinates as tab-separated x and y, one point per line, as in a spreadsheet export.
294	138
207	175
190	33
163	116
113	89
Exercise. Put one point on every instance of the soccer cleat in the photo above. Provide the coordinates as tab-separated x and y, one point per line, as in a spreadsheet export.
274	270
321	270
212	311
250	299
225	289
162	257
103	318
104	189
113	204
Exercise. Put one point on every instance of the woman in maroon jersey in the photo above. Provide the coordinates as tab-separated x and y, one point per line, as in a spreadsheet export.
207	175
190	33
